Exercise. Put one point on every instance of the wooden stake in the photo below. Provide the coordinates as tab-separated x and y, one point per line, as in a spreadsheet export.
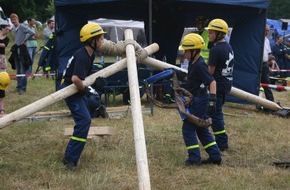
94	131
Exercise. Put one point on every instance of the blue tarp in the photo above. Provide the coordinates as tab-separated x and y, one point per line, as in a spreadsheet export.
169	18
277	25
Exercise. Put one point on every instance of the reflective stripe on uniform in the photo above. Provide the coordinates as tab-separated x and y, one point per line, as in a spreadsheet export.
78	139
219	132
47	48
167	95
47	68
192	147
209	145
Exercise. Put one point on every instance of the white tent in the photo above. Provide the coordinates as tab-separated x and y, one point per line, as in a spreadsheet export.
115	29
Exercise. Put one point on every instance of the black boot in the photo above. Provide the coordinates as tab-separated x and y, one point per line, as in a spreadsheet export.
211	161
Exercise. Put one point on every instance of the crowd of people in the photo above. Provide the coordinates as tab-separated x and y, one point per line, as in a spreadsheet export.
275	58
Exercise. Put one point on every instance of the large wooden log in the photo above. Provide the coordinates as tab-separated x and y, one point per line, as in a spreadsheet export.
254	99
234	91
139	137
66	92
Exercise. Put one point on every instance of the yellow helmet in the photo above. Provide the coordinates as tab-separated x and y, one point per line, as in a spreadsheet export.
218	25
4	80
192	41
90	30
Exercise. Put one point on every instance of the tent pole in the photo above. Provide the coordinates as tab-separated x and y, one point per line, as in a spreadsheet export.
150	42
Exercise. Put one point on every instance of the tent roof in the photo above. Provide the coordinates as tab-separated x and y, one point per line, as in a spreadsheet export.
263	4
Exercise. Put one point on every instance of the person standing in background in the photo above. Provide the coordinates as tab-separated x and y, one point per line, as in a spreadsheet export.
265	68
48	30
4	40
21	33
201	22
31	42
279	51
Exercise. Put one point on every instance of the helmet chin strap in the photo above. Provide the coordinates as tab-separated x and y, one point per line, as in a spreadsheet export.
219	36
95	44
193	55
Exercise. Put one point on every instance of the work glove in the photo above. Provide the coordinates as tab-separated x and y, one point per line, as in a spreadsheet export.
211	105
180	74
99	84
85	91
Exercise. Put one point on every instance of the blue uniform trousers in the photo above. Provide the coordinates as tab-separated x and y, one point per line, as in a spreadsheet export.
82	119
20	70
191	132
218	125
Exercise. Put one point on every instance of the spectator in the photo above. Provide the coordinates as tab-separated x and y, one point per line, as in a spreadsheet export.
48	30
201	22
32	42
273	67
21	57
220	65
265	68
272	63
287	57
279	51
265	78
4	40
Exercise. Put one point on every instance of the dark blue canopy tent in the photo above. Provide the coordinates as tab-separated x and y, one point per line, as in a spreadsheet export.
169	18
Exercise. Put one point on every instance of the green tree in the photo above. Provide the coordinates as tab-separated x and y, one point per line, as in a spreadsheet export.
279	9
39	9
43	9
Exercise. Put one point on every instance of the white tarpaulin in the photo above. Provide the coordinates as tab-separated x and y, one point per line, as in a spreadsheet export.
115	29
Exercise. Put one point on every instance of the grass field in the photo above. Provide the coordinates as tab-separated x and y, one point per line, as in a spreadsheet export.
31	152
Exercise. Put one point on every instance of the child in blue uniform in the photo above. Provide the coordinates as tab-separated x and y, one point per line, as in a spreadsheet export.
203	88
220	65
78	68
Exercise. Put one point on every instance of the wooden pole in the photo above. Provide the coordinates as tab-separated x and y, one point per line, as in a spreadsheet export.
139	137
234	91
254	99
66	92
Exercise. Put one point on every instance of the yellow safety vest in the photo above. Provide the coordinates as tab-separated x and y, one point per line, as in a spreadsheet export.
205	52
